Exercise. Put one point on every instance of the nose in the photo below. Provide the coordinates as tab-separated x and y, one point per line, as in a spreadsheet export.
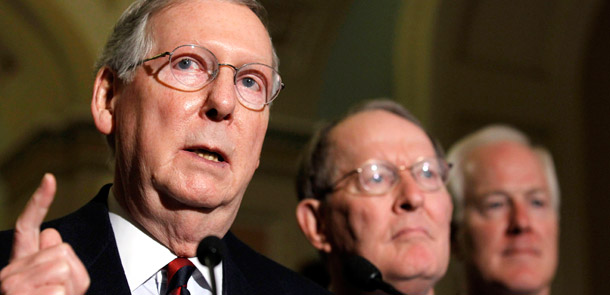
519	219
221	97
409	197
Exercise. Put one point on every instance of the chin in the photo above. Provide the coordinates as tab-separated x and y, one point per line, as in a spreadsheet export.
416	278
419	260
525	282
200	195
520	278
417	286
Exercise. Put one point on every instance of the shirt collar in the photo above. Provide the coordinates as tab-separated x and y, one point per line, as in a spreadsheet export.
141	255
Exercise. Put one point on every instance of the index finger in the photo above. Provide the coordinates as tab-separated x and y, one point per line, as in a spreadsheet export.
27	228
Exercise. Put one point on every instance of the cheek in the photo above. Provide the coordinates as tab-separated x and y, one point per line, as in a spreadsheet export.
550	233
260	124
357	224
439	208
364	221
149	118
250	129
484	238
162	127
338	228
160	109
171	112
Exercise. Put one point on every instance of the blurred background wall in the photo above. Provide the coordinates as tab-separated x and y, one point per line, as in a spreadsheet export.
542	66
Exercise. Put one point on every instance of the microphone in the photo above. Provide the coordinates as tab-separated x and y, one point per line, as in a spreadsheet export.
364	275
210	252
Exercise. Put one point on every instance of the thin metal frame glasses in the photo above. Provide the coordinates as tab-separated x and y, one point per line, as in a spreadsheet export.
377	177
192	67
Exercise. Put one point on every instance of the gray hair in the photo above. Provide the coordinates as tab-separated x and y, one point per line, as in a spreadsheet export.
487	135
131	40
314	178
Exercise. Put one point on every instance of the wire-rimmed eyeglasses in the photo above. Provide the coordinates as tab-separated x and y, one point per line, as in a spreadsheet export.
192	67
377	177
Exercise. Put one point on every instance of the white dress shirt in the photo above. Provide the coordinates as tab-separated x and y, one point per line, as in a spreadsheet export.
144	259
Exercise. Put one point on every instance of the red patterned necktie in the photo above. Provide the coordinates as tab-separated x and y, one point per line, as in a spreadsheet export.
178	273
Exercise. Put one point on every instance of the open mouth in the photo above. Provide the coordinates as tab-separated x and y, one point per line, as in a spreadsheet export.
208	155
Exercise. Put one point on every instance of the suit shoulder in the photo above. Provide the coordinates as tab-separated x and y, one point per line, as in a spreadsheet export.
266	274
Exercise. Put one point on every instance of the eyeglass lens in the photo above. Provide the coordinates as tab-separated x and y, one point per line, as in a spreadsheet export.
378	178
193	67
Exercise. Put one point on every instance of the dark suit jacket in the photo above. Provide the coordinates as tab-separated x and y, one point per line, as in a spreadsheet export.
89	232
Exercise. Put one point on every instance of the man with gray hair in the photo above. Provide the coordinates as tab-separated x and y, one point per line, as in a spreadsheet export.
182	94
506	200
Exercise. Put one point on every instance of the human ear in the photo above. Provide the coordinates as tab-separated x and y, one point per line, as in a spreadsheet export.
105	94
310	221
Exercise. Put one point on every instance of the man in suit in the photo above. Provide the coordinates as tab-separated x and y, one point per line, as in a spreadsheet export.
372	184
182	93
507	202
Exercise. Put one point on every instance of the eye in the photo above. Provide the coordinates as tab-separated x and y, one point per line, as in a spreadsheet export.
538	199
250	83
428	173
251	87
376	178
538	203
249	78
187	64
494	203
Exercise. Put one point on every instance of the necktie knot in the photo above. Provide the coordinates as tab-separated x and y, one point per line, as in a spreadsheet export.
179	271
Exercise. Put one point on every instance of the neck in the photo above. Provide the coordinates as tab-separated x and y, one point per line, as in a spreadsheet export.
180	229
340	286
477	286
496	290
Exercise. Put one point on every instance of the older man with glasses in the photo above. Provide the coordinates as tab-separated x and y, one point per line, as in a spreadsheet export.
372	185
182	94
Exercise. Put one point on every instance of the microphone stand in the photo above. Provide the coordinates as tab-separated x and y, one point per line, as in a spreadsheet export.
210	266
366	276
210	253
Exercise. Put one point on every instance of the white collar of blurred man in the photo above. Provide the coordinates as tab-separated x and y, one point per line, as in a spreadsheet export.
507	201
184	158
405	231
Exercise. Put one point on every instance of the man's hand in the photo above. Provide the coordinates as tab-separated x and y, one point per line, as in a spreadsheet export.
41	263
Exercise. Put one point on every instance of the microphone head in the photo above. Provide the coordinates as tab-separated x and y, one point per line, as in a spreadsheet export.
210	251
361	273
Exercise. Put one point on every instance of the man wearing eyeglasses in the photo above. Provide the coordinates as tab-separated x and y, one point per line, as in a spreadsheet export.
507	202
372	184
182	93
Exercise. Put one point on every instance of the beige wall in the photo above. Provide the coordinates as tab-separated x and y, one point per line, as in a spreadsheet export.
457	64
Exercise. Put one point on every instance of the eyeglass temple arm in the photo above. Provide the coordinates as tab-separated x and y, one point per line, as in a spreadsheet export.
155	57
342	178
151	58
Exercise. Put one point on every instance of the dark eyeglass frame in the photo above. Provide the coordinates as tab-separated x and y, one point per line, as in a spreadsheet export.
444	167
214	75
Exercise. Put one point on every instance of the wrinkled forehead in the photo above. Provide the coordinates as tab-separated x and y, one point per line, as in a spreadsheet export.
380	135
224	27
505	165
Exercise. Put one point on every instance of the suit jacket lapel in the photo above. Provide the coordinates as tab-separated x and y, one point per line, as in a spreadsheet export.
234	282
